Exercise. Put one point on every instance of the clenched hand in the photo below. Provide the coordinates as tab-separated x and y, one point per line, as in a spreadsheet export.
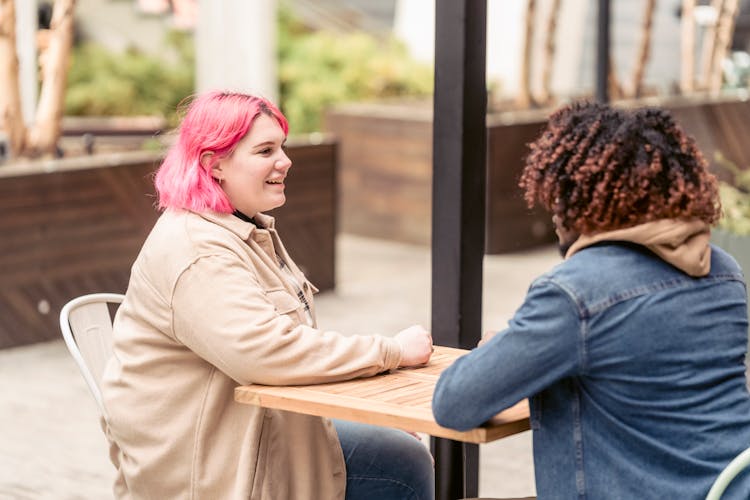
416	345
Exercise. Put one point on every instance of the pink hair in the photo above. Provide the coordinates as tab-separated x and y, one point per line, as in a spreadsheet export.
215	122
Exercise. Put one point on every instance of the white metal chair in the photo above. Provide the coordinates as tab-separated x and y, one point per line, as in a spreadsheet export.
728	474
86	326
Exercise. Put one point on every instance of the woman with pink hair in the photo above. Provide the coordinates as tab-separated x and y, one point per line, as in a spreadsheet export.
215	301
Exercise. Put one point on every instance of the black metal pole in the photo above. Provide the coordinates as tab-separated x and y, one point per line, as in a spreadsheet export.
602	52
458	207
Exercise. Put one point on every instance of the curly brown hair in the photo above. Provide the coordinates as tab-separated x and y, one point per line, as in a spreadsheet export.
597	168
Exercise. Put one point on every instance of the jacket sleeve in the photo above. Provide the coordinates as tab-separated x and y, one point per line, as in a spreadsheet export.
220	311
541	345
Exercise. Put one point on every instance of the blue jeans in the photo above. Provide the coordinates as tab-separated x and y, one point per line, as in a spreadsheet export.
383	463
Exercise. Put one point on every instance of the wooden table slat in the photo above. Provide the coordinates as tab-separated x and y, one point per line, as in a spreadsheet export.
401	399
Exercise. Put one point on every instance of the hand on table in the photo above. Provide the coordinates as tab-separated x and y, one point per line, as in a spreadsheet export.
416	345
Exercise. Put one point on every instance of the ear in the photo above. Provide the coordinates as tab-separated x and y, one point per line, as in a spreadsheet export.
206	162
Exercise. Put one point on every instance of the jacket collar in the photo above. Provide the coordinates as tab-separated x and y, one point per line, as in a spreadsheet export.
238	226
682	243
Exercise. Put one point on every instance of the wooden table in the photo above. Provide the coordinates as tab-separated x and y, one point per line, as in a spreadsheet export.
401	398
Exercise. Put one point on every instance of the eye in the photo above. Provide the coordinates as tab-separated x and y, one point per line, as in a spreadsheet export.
265	151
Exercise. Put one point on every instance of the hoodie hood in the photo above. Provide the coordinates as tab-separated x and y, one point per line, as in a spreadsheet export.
682	243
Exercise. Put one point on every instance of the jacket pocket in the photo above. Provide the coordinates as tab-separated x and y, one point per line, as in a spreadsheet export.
283	301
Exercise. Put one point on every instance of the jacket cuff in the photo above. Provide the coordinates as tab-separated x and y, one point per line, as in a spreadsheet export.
392	353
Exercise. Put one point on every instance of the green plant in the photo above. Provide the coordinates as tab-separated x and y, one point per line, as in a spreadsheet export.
321	68
735	198
101	82
316	70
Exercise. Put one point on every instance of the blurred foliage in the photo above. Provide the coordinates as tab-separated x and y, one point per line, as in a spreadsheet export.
736	69
106	83
735	198
316	69
320	68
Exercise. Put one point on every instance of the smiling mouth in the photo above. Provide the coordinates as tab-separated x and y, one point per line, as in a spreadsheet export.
275	182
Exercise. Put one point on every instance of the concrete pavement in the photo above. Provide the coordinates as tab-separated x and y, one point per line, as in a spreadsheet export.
51	446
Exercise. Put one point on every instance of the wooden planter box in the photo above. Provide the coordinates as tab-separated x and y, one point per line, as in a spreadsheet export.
385	176
385	165
74	226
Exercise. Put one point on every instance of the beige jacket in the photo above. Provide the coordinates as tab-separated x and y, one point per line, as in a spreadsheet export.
208	308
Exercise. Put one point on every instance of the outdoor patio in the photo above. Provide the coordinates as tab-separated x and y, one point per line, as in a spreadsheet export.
52	447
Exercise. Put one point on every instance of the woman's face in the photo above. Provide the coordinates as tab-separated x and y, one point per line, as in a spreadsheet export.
253	175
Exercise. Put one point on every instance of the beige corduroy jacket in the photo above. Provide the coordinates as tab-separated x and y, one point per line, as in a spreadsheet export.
208	308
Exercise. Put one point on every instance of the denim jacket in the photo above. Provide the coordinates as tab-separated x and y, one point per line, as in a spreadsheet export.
635	372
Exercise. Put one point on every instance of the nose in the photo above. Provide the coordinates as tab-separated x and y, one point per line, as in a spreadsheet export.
283	162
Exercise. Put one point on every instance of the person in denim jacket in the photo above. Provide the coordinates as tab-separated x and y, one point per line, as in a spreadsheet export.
632	349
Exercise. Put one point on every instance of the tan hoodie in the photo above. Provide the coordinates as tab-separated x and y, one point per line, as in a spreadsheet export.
682	243
208	308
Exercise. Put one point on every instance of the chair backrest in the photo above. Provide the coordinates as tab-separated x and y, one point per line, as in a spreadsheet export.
736	466
86	326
